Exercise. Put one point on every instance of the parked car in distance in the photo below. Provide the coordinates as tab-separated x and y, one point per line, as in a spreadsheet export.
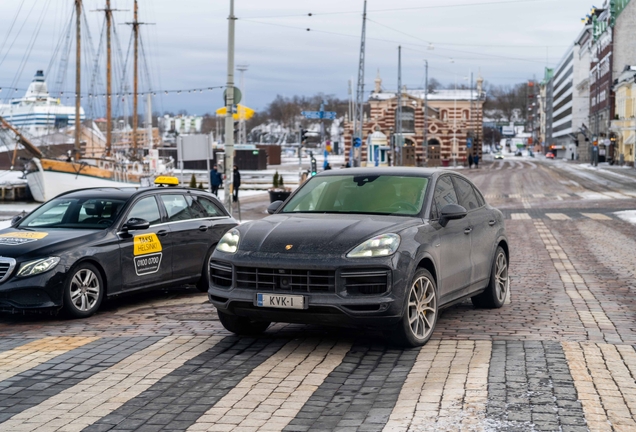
385	247
499	155
549	155
83	246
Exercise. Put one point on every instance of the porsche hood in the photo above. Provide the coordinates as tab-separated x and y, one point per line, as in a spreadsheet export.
316	234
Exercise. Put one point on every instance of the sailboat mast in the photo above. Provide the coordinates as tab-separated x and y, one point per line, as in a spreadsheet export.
78	77
135	83
109	107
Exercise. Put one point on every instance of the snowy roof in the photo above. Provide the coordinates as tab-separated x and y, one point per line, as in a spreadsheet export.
436	95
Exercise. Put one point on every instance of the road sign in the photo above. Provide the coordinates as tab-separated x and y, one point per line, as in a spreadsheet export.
357	142
318	115
237	96
469	142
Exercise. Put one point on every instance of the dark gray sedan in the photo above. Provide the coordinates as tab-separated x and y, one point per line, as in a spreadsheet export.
383	248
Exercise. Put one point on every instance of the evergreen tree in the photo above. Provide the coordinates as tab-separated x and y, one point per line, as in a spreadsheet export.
193	182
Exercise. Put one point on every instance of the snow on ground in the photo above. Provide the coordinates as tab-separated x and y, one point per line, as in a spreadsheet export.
628	216
5	224
11	177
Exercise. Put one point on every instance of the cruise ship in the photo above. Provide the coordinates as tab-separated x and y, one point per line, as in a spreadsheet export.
37	113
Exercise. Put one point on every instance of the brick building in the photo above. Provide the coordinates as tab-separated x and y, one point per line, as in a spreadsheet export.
453	116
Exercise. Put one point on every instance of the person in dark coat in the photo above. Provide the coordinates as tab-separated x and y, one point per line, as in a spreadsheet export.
236	182
470	160
216	180
477	160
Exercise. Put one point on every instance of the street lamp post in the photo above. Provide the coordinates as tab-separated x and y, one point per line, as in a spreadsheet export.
229	115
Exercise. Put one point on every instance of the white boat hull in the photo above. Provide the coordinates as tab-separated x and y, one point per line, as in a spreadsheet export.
45	185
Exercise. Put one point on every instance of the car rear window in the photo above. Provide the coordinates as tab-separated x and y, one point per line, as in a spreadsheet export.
371	194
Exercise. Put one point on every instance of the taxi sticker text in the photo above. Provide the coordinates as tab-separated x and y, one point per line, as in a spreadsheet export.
20	238
146	244
147	264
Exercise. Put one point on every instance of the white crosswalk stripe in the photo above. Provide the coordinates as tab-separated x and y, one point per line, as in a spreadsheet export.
596	216
520	216
558	216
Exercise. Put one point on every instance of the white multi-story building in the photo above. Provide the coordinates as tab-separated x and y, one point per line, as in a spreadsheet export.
581	97
561	142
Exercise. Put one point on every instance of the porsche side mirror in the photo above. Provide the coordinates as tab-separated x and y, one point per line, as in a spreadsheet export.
136	224
16	219
273	207
452	212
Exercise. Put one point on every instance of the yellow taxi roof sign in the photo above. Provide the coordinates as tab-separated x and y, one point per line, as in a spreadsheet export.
167	181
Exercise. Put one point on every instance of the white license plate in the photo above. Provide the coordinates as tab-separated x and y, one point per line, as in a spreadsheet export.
280	301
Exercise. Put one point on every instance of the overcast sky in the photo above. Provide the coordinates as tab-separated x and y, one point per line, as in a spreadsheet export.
509	41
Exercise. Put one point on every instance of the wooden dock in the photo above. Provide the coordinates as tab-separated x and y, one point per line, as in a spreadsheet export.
14	192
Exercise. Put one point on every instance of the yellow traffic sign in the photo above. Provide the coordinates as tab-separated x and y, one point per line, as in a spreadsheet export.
242	112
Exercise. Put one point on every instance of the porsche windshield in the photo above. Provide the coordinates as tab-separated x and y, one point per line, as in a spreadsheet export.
375	194
75	213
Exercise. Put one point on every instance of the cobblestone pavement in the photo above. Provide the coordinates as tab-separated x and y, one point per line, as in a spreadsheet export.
559	356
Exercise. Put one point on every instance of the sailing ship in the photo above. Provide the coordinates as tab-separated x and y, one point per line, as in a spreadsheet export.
48	177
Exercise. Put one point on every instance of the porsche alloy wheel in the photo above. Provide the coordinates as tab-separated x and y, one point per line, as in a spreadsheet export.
83	291
420	316
422	308
501	277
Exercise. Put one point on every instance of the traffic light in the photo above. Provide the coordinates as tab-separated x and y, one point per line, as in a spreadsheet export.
303	135
314	168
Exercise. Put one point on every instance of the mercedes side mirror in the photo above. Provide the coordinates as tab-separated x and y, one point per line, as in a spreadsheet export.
452	212
273	207
136	224
16	219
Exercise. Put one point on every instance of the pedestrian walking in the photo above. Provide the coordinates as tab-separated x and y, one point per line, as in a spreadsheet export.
470	160
216	180
236	183
476	159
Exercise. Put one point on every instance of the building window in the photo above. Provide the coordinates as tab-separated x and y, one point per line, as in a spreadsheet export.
408	119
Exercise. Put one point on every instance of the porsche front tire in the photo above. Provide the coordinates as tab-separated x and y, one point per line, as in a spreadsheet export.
421	310
242	326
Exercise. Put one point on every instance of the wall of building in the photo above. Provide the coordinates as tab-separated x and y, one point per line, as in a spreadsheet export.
563	83
625	40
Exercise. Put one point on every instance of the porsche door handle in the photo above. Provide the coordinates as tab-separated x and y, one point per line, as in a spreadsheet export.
203	228
162	233
492	223
468	231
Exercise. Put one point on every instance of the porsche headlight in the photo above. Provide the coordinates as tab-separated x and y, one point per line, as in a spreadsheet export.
38	266
229	242
380	246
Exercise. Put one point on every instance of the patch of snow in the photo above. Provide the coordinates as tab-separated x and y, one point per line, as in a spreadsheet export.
627	216
5	224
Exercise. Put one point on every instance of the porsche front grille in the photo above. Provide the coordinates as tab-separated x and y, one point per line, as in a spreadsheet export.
6	267
220	274
367	282
301	281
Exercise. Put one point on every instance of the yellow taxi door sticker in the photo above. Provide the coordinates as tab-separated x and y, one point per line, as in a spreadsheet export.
146	244
19	238
148	255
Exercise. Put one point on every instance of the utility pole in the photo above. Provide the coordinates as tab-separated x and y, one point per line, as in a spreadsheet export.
425	143
454	148
398	120
358	124
229	105
242	123
78	78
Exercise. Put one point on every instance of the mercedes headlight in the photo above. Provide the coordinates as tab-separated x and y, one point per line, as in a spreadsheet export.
38	266
229	242
380	246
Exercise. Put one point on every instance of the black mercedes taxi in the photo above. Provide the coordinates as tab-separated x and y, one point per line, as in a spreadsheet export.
88	244
373	247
